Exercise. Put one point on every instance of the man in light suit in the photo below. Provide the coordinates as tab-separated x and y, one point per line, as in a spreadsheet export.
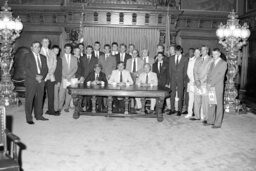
107	61
145	57
50	79
120	76
215	78
147	78
122	56
201	69
96	51
35	73
178	77
135	65
69	68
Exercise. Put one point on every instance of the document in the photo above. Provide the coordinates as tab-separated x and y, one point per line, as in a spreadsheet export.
65	83
212	96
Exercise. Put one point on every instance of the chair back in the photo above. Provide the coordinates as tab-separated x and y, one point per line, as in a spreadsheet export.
2	126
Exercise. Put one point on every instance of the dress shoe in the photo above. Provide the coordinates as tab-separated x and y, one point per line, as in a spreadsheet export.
214	127
188	116
133	111
66	110
151	112
185	112
42	118
51	113
30	122
171	112
193	119
167	110
57	113
178	113
138	111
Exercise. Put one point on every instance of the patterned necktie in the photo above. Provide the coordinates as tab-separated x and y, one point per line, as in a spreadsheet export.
134	65
121	76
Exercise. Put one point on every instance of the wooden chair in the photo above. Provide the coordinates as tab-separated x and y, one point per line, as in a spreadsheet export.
8	153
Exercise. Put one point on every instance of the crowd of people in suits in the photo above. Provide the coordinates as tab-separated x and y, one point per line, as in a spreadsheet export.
189	78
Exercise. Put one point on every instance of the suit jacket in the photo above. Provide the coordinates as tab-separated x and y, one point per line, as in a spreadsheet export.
51	63
216	76
163	75
150	60
152	78
91	77
115	77
201	69
87	65
108	65
126	57
178	73
69	73
140	64
94	54
31	68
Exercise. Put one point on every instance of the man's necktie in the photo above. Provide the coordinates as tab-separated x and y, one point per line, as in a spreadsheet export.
160	67
147	79
134	65
121	76
145	60
97	77
39	61
177	60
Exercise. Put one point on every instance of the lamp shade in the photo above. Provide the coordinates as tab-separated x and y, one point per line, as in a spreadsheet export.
2	24
227	32
245	33
220	32
18	25
237	32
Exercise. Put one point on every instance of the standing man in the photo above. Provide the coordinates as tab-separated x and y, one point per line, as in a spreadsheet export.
135	65
35	73
114	48
69	68
178	77
145	57
201	69
96	52
191	83
215	79
81	47
107	61
50	78
122	56
131	48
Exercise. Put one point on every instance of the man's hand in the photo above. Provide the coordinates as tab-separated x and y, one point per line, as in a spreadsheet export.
198	84
81	80
168	86
39	78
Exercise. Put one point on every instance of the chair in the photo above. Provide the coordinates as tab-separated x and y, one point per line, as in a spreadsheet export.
8	154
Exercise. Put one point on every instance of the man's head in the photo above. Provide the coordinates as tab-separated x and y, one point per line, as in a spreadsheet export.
172	50
97	46
120	66
123	48
114	46
56	49
191	52
67	48
135	53
160	48
131	48
160	56
204	50
89	50
107	48
35	47
97	68
197	52
145	53
147	67
77	51
216	53
45	42
178	50
81	47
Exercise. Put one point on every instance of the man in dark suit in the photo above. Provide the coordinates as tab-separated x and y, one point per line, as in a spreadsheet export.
122	56
97	77
160	67
96	51
215	79
178	77
36	70
81	47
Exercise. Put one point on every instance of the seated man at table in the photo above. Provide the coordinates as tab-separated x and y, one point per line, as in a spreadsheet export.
147	78
97	77
120	77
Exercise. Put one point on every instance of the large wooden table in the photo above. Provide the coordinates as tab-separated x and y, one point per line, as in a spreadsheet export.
110	91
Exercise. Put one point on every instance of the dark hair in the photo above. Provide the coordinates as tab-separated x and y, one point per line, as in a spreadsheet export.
98	65
115	43
121	62
89	46
178	48
80	44
55	47
192	49
68	45
160	53
122	44
216	50
35	42
107	45
97	42
131	45
76	47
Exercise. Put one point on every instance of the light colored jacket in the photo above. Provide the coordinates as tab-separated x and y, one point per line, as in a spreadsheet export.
115	77
51	63
152	78
201	69
69	73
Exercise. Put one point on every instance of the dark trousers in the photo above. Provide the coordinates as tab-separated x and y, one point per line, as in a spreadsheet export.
179	87
34	99
49	87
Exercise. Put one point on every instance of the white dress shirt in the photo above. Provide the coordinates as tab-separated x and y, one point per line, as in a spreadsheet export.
179	57
145	59
216	61
136	62
38	62
160	64
190	70
122	56
68	59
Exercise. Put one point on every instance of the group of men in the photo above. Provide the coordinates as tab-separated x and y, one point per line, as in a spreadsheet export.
47	71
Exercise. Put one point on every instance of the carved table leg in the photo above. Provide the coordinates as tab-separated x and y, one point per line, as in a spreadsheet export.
77	100
143	100
160	104
126	103
110	99
93	104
